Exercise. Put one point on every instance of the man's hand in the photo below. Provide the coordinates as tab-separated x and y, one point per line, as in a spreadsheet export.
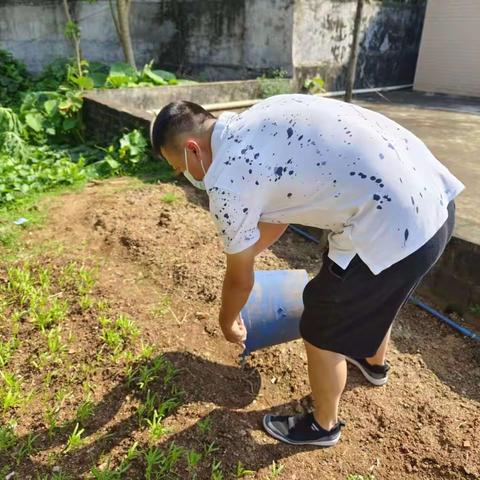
238	283
236	332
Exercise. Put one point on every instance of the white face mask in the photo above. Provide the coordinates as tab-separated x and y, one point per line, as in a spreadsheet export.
196	183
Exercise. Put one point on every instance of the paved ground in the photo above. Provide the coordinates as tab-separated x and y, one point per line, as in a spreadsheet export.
450	126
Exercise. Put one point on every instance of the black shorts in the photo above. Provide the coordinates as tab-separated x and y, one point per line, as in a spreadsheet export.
350	311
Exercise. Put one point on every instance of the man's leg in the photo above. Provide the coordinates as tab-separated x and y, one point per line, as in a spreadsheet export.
380	357
327	372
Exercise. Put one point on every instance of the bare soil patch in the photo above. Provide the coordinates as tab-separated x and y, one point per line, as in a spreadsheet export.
160	261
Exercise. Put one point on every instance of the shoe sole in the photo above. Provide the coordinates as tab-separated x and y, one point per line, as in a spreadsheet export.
374	381
317	443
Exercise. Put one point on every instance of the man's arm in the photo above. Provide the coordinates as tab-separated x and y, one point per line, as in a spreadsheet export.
239	279
269	234
237	285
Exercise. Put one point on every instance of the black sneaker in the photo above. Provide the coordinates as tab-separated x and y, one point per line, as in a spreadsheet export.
301	429
376	374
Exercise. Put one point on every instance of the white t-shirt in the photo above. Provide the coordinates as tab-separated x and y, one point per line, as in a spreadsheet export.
328	164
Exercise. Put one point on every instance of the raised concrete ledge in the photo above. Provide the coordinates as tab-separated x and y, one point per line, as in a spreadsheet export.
107	112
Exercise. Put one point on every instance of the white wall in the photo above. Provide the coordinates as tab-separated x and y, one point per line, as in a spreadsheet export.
449	58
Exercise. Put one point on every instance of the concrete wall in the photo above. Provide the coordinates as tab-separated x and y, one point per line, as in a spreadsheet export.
227	39
449	59
212	39
390	37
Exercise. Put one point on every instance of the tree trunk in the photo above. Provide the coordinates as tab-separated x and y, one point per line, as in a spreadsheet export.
122	26
352	62
75	39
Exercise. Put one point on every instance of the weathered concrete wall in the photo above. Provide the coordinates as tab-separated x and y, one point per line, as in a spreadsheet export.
390	37
211	39
228	39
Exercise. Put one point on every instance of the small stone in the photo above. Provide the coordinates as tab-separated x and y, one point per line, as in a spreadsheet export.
56	469
274	380
467	444
9	476
408	467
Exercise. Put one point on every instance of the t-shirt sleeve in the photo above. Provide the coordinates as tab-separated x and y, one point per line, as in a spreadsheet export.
236	219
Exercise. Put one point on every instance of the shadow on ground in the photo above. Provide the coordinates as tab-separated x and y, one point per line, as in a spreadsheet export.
201	381
447	354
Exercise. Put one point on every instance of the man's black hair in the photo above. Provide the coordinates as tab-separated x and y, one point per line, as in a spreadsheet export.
175	118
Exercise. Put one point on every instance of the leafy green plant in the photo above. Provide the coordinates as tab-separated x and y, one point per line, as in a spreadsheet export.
154	458
8	439
205	425
241	471
54	115
155	425
169	197
26	448
54	341
210	449
145	374
53	75
314	85
193	459
47	311
124	157
26	169
75	439
147	407
115	333
11	394
14	79
275	84
276	470
84	411
124	75
6	350
217	473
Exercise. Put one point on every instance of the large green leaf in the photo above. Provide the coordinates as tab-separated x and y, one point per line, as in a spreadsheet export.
122	70
34	121
85	83
98	78
112	163
70	123
50	106
117	82
165	75
154	77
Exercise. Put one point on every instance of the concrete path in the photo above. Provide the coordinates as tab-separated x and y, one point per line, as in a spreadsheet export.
450	127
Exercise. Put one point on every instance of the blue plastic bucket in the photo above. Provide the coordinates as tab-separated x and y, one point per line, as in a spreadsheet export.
275	305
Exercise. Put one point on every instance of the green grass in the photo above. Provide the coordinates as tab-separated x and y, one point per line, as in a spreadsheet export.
11	392
155	425
169	197
155	171
84	411
8	439
74	440
34	208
